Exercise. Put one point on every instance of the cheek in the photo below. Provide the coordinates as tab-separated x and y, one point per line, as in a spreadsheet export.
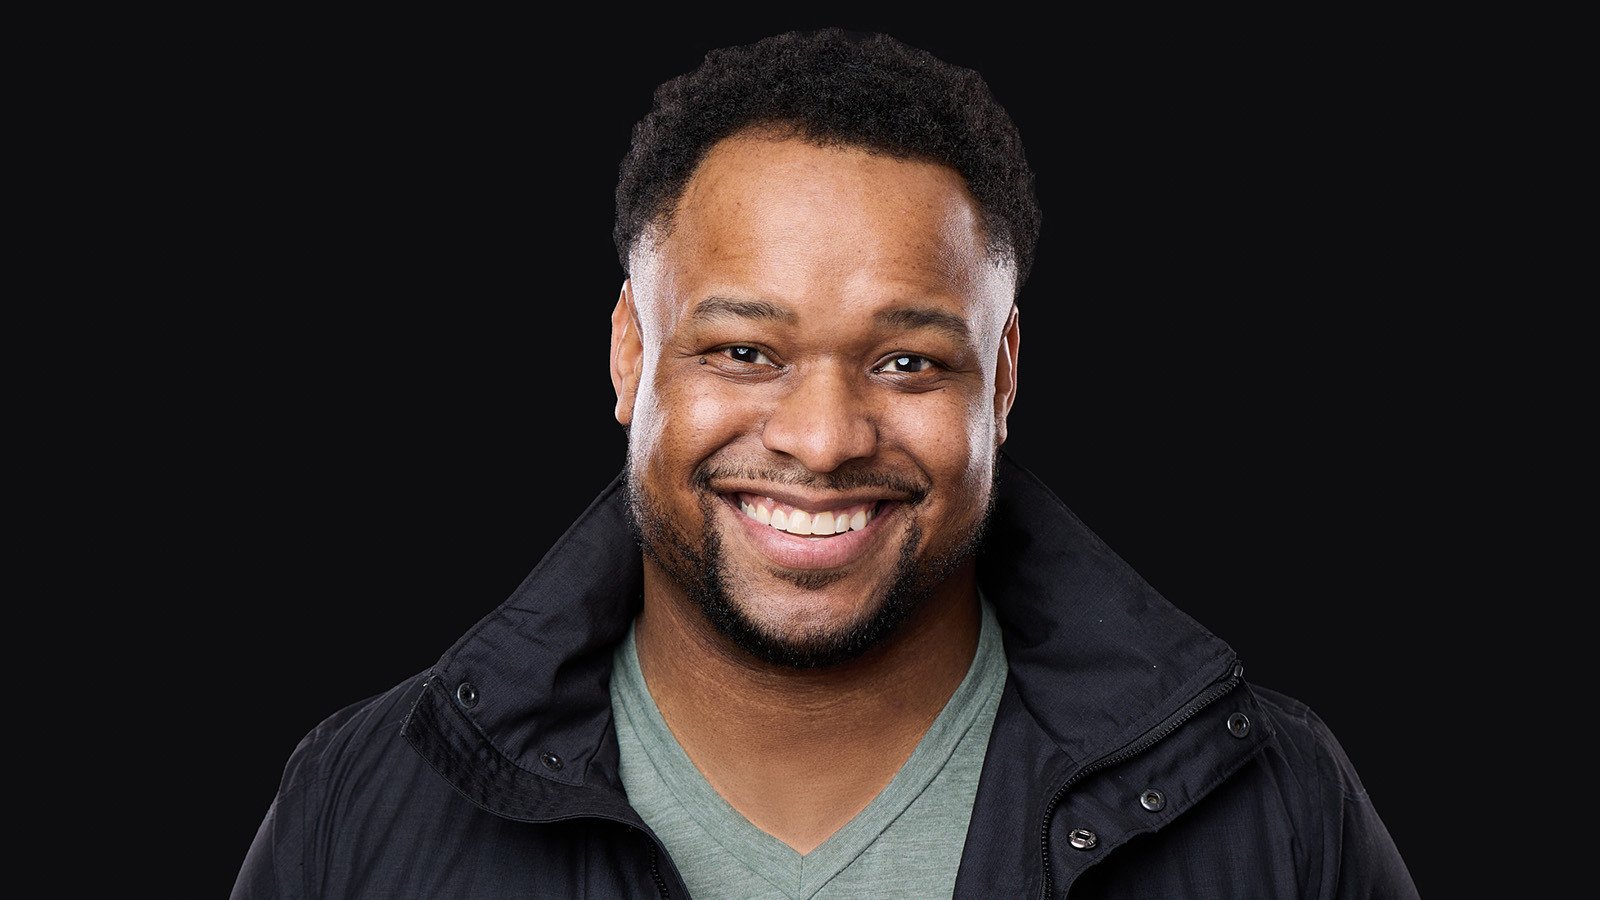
978	472
680	420
952	438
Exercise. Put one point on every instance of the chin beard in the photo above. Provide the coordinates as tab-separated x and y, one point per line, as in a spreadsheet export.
701	571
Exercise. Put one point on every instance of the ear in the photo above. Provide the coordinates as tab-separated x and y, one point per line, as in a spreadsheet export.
627	353
1005	375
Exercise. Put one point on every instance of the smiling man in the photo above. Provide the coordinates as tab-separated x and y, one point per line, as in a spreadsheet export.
821	638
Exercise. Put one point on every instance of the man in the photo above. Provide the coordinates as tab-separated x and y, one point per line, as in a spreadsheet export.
821	637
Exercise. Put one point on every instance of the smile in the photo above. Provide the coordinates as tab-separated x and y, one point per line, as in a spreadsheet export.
820	523
810	534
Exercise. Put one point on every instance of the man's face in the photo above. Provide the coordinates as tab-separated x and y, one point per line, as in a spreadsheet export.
814	365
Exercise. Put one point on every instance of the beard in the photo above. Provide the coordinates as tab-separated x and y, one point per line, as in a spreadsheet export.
700	568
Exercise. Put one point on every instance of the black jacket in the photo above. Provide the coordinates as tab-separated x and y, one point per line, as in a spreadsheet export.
1128	757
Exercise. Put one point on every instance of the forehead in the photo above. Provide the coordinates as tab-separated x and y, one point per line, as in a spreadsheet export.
799	223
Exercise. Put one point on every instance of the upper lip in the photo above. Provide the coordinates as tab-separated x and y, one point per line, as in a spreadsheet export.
802	500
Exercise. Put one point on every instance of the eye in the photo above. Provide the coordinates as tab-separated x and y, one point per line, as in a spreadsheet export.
906	363
747	355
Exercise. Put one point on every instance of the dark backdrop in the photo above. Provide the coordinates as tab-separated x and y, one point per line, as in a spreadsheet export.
403	397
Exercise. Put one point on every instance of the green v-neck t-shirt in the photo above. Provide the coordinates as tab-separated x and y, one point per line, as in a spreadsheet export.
906	843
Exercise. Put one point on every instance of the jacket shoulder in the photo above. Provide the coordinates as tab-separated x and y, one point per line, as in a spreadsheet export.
1352	853
288	850
1308	744
343	737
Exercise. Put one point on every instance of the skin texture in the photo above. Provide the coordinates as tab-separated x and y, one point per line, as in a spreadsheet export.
806	689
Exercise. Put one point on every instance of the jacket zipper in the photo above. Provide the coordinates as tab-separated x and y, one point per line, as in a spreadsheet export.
1138	746
655	870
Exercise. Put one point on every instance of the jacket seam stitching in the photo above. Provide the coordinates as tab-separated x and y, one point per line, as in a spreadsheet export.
1325	755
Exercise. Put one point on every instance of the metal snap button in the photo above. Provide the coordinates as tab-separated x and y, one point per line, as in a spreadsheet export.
1082	838
1152	800
467	695
1238	724
551	761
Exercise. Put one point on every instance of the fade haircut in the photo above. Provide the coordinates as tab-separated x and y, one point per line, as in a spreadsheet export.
832	87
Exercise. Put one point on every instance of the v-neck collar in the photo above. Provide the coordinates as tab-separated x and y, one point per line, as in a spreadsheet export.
791	873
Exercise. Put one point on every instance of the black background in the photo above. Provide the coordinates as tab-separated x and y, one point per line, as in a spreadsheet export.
1227	366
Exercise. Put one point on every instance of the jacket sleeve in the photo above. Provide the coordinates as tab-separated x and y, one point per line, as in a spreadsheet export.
1358	855
1369	864
274	867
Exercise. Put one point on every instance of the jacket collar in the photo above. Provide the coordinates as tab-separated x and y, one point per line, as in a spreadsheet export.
1096	655
517	715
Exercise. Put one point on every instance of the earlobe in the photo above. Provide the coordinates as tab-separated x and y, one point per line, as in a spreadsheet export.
1005	375
627	351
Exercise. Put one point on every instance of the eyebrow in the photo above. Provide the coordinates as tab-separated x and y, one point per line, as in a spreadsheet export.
914	317
724	307
906	318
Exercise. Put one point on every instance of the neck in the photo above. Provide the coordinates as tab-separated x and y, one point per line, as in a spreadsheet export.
801	752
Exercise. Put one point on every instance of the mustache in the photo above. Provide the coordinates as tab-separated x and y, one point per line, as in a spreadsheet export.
843	479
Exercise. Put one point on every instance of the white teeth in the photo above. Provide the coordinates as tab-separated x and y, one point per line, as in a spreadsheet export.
800	521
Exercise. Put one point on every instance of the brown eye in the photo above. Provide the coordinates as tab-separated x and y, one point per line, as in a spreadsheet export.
906	363
747	355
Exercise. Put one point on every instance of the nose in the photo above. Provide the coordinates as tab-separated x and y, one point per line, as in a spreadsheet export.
823	421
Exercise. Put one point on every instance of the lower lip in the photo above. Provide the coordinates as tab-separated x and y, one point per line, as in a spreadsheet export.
794	551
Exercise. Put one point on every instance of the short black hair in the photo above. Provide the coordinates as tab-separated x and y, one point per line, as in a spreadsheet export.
834	87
